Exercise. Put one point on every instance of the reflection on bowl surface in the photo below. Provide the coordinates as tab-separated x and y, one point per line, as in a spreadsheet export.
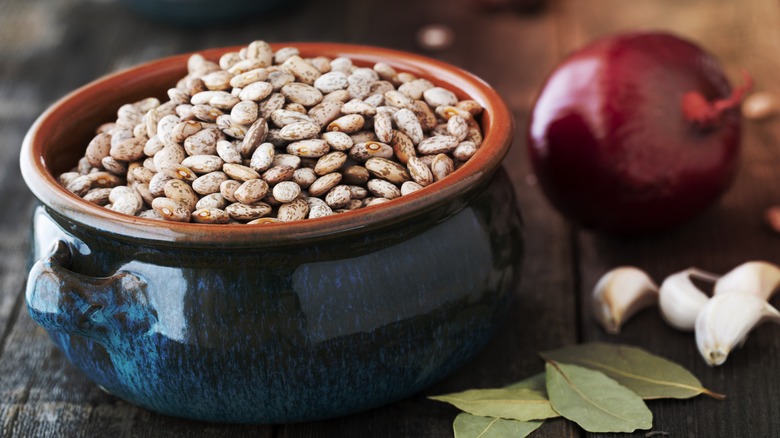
279	323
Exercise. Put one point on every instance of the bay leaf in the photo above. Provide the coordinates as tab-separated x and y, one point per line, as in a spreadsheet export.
646	374
537	383
594	401
472	426
514	404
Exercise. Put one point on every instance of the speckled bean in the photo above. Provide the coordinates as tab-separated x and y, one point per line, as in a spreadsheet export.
383	127
324	183
210	215
383	189
277	174
247	212
283	117
203	142
262	157
397	99
437	144
464	151
251	191
245	112
152	146
206	113
438	96
311	148
243	79
98	196
355	174
356	106
348	124
410	187
112	165
408	123
98	148
442	166
171	210
415	89
457	127
302	70
256	91
128	150
80	185
260	51
338	196
228	188
330	162
129	203
304	177
286	191
182	193
107	179
326	112
239	172
270	104
201	164
299	131
228	152
363	151
254	137
301	93
419	171
330	82
338	141
295	210
178	171
337	96
387	170
157	184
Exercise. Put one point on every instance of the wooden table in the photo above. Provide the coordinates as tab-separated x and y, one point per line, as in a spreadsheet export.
49	47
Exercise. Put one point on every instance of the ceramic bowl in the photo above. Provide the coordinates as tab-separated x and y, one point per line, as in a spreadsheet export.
276	323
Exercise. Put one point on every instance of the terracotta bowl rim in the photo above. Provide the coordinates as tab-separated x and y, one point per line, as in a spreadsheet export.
497	125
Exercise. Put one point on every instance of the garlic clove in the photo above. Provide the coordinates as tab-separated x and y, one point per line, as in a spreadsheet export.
621	293
756	277
725	322
680	301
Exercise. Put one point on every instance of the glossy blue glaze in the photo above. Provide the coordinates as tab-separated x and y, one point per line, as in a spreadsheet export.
299	332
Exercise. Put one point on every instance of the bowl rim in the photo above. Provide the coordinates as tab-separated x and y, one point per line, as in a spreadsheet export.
497	127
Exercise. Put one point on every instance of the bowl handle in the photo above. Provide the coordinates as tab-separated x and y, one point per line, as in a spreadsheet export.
59	299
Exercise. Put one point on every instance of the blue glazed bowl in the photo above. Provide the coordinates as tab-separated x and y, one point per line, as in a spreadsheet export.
282	322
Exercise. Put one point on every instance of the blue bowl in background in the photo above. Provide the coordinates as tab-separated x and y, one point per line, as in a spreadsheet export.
200	12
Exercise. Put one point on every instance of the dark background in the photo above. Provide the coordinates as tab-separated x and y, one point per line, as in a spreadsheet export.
49	47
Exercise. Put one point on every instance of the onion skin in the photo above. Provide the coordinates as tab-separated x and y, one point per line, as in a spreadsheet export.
613	148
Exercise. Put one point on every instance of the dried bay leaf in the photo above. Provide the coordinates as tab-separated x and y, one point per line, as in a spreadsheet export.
514	404
594	401
472	426
537	382
646	374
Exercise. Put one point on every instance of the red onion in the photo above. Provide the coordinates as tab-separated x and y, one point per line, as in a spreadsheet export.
635	133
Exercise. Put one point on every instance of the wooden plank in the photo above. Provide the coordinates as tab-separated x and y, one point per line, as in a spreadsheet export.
724	236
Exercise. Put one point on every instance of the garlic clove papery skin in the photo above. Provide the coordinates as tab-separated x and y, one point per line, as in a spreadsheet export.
756	277
725	322
621	293
680	301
